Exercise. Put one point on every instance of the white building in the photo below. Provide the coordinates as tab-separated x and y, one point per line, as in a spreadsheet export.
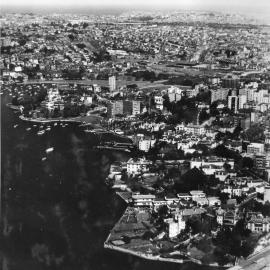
219	94
175	225
213	201
143	199
112	83
87	100
259	224
184	196
242	99
220	216
96	88
159	102
221	175
233	103
195	129
211	169
174	93
136	107
197	194
138	166
233	190
217	161
201	201
266	194
255	148
146	144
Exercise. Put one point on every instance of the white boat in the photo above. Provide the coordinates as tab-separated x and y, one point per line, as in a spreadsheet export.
55	124
28	129
41	132
48	128
119	132
34	125
49	150
44	158
15	125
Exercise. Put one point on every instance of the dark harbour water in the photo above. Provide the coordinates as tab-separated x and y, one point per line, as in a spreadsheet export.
57	213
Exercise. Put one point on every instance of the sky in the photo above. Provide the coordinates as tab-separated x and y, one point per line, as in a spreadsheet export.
226	5
180	3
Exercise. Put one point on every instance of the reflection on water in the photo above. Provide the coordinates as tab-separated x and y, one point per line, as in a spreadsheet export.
58	212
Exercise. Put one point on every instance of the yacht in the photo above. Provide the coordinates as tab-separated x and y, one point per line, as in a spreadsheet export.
49	150
41	132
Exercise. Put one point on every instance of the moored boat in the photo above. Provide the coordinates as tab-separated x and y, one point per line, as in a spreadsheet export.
41	132
49	150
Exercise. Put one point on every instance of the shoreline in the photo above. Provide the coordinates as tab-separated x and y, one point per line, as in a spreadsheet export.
13	107
112	148
151	257
143	255
43	120
158	257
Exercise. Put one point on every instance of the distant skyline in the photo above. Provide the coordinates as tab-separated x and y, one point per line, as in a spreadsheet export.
241	6
129	3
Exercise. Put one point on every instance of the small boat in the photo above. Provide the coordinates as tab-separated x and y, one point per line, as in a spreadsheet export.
44	158
41	132
34	125
49	150
55	124
15	125
119	132
48	128
28	129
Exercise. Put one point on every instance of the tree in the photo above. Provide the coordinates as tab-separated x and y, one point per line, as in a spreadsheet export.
195	224
166	102
193	179
223	151
255	133
203	116
71	37
85	25
81	45
22	41
227	166
132	86
236	132
247	163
